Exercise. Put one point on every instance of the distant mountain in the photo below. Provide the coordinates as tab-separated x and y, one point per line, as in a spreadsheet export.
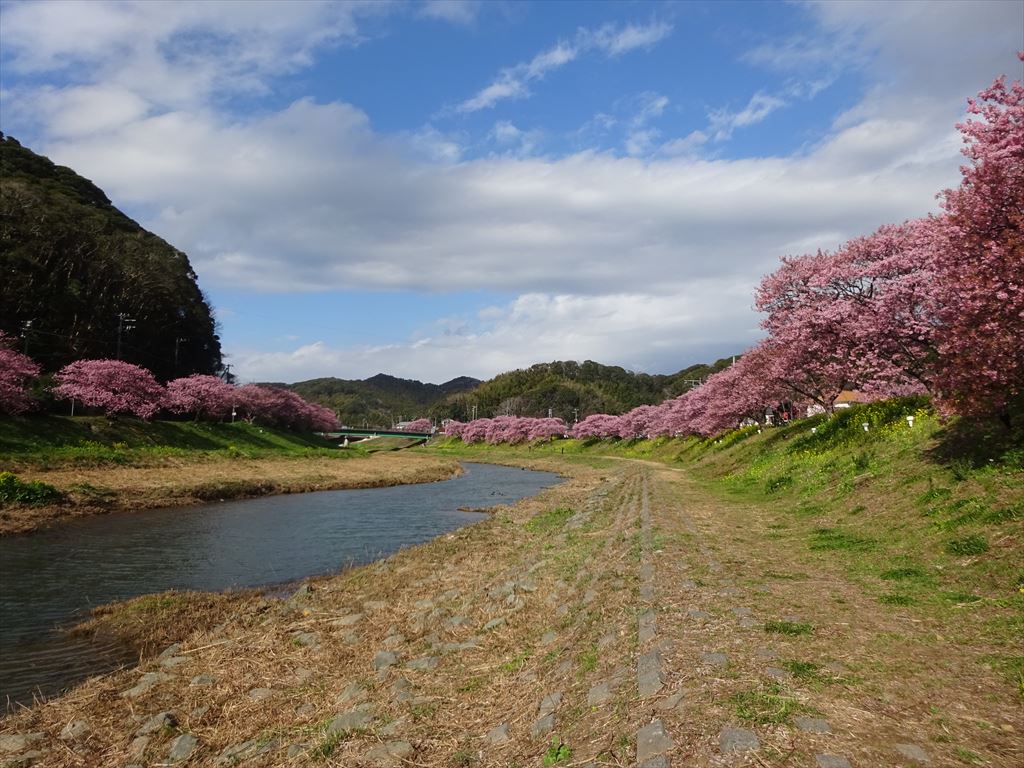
567	388
380	400
76	273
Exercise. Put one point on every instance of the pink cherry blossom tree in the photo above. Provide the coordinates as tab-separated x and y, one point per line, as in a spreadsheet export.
206	397
545	429
979	261
454	428
475	431
16	371
113	385
419	425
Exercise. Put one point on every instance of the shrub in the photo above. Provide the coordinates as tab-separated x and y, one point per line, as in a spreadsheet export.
14	490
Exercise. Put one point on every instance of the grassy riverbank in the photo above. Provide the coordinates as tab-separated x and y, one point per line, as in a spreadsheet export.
91	465
673	599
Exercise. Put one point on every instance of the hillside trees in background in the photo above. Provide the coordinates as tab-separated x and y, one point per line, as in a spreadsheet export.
75	269
16	373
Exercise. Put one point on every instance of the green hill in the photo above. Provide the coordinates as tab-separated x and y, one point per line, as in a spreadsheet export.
569	389
562	386
380	400
75	269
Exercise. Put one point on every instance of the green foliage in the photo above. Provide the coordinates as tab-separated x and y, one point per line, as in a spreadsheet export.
792	628
776	484
896	598
835	539
558	752
549	520
568	386
588	659
803	670
900	574
380	400
766	705
13	490
72	263
846	425
969	545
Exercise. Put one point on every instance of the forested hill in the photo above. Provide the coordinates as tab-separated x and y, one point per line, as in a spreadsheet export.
381	399
570	389
73	268
563	387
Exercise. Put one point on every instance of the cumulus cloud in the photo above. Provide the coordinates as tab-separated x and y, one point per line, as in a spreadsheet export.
636	330
176	55
642	261
463	12
513	82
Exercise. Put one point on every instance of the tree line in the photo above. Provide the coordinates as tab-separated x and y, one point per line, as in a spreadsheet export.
932	306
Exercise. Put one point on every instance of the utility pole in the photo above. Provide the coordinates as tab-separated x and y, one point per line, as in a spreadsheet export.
177	341
124	323
26	329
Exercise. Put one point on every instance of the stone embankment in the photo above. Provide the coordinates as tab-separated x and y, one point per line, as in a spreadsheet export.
620	619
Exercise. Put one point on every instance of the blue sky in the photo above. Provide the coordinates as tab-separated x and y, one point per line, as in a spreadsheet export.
434	189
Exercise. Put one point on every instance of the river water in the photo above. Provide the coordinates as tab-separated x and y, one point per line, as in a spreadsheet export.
52	578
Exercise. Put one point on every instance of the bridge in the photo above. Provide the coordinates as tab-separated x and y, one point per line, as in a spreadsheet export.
364	434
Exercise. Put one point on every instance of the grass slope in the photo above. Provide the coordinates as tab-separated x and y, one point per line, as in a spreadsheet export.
46	441
927	519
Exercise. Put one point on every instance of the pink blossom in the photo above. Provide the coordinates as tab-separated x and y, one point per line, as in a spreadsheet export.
207	397
113	385
16	371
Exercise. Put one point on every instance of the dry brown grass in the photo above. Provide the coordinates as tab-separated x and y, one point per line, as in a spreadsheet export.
901	679
183	482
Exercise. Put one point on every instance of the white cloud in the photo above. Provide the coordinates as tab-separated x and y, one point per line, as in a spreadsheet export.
311	198
723	122
615	41
175	55
513	82
638	331
636	261
510	138
462	12
687	145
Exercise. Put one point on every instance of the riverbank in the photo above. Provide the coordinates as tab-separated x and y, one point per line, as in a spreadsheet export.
696	611
95	466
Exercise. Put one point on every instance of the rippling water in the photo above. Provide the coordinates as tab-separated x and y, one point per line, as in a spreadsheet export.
53	577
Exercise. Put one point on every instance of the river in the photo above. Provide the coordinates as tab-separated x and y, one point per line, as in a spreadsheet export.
52	578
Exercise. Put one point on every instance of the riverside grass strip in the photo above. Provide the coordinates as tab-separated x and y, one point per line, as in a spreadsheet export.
888	680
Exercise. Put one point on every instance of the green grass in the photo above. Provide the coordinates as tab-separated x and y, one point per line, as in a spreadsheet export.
559	752
928	519
974	544
50	441
549	521
767	705
834	539
792	628
14	490
897	598
588	659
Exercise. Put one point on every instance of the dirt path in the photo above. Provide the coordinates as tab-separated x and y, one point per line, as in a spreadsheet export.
622	618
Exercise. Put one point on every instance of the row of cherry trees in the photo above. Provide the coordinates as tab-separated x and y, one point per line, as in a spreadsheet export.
116	387
506	429
933	305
